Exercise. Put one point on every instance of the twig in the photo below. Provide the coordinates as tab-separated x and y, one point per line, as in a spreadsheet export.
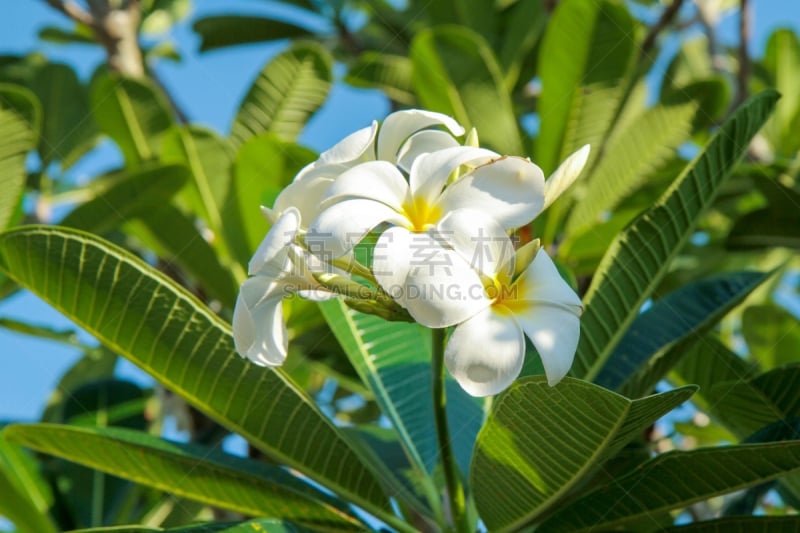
73	11
666	18
744	59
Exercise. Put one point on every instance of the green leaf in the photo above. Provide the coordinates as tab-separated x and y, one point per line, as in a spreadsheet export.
149	319
631	158
264	166
782	62
67	336
747	406
127	196
741	524
231	30
673	480
778	224
68	130
640	256
290	89
390	355
57	35
387	72
209	159
27	497
641	358
455	72
133	112
525	22
191	471
259	525
19	116
173	235
772	335
97	364
540	441
587	50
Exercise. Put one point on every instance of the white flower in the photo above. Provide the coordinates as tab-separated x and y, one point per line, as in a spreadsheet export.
411	262
279	268
485	353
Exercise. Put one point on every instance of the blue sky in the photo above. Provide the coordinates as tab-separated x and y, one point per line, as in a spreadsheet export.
209	88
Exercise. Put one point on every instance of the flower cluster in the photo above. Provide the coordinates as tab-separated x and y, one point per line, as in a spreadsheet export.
443	211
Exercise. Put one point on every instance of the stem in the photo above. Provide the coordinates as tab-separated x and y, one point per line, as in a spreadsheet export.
455	492
744	59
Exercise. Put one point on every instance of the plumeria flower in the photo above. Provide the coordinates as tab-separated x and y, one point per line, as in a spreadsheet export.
524	295
402	136
279	268
412	263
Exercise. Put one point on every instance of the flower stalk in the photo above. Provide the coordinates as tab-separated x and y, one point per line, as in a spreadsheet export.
455	492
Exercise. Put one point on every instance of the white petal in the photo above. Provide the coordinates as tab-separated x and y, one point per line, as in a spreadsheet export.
541	282
317	295
429	173
259	332
341	226
390	262
485	354
510	189
400	125
554	331
479	239
441	288
375	180
305	195
353	147
565	175
271	256
423	142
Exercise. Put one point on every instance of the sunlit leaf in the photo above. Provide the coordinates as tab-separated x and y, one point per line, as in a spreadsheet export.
231	30
27	497
19	122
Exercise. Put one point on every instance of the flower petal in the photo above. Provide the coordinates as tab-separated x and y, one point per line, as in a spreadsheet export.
271	257
305	195
390	261
341	226
441	289
554	331
429	173
375	180
565	175
541	282
400	125
423	142
259	332
510	189
485	354
479	239
352	147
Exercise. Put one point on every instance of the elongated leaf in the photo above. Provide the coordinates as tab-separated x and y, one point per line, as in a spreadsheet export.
133	112
747	406
191	471
27	497
68	130
525	22
389	356
174	236
586	52
640	256
97	364
540	441
630	159
778	224
231	30
742	524
259	525
772	335
290	89
638	361
455	72
676	479
127	196
150	320
389	73
782	62
17	138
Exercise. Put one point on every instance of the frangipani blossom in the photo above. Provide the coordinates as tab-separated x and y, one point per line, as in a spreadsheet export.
485	353
412	263
278	268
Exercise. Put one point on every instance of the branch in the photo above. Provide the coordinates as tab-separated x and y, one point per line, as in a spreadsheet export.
744	59
665	20
73	11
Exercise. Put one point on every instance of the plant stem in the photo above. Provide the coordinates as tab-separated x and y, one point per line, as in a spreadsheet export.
455	492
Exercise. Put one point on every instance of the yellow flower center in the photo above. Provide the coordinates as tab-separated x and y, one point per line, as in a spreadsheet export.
506	296
421	214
